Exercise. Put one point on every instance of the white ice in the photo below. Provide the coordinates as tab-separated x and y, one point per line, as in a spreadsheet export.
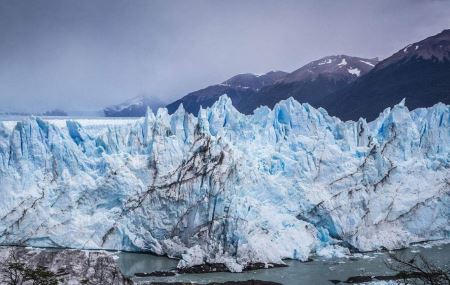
225	187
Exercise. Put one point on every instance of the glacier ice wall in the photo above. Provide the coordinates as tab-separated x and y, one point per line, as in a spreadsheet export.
226	187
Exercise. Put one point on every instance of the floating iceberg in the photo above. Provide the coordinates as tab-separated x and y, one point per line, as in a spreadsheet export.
227	187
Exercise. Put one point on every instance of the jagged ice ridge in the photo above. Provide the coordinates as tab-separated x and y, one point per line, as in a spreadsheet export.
226	187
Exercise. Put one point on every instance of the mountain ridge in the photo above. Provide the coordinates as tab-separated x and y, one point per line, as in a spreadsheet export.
419	72
249	91
312	83
346	86
237	88
133	107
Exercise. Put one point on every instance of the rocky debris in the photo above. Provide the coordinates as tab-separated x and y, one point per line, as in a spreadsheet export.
220	267
69	266
399	276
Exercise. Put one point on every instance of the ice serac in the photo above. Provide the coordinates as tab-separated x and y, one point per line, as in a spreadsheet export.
227	187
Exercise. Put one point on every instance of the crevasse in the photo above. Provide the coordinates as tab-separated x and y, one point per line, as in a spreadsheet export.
225	187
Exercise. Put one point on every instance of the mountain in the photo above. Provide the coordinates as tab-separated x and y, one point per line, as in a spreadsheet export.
225	187
253	81
55	112
339	67
347	87
420	72
312	83
134	107
237	88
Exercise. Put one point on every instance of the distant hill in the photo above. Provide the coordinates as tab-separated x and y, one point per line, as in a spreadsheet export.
238	88
134	107
55	112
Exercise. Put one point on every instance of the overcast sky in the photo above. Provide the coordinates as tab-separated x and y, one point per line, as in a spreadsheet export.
85	54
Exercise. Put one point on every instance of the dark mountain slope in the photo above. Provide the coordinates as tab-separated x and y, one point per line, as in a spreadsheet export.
420	73
305	91
312	83
237	88
207	96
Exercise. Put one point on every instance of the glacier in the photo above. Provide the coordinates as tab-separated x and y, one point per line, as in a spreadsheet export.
221	186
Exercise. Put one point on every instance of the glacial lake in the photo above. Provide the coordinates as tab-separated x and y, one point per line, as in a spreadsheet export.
319	271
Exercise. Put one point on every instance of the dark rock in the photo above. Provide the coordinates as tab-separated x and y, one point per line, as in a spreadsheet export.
260	265
359	279
399	276
220	267
205	268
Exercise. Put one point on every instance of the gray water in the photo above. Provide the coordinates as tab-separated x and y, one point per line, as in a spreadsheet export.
319	271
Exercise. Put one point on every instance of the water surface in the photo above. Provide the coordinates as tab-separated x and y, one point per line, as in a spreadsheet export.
319	271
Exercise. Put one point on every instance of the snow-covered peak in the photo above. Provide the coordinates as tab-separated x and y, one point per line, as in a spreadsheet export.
436	47
134	107
135	101
254	81
343	62
325	61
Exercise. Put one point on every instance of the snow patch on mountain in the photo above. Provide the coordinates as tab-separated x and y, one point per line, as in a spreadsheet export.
326	61
354	71
332	67
368	63
405	50
343	62
134	107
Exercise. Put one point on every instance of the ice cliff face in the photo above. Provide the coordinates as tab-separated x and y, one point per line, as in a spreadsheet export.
226	187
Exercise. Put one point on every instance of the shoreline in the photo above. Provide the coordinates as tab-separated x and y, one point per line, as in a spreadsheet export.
145	269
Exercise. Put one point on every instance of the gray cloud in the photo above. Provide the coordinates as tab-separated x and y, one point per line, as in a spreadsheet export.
87	54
